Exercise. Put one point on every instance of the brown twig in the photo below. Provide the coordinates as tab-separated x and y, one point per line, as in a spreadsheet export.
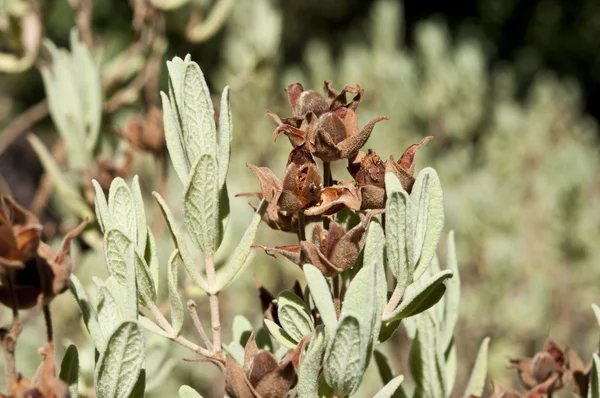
191	304
22	123
9	339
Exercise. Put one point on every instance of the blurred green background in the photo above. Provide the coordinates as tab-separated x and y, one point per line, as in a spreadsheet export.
509	89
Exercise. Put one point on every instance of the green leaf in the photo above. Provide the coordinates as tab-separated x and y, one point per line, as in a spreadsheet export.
90	318
383	367
101	207
236	351
596	312
225	136
201	204
177	237
111	301
293	315
390	388
451	364
310	367
188	392
420	296
116	245
149	325
237	260
452	296
173	137
280	335
594	389
140	214
242	329
69	370
343	366
64	188
139	389
388	329
122	209
398	231
151	257
197	114
425	364
119	366
175	304
321	295
427	208
476	382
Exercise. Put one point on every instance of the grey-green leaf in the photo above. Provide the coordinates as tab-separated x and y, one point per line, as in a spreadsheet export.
321	295
188	392
476	382
343	366
242	329
420	296
390	388
427	208
225	135
425	365
122	209
293	315
398	231
173	137
280	335
119	366
90	318
596	310
101	207
69	370
452	296
201	204
237	260
151	257
310	367
140	214
594	389
175	304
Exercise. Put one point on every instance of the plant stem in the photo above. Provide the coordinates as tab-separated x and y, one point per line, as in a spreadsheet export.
301	226
327	182
166	326
335	287
48	321
9	340
395	299
191	304
213	299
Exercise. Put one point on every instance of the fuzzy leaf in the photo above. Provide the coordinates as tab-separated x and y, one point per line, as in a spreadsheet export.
173	138
110	306
293	315
122	209
225	135
69	370
177	237
90	318
242	329
427	208
280	335
175	304
149	325
596	310
321	295
310	366
151	257
188	392
425	365
139	389
452	296
201	204
140	214
476	382
398	231
420	296
101	207
594	389
390	388
343	367
119	366
451	364
237	260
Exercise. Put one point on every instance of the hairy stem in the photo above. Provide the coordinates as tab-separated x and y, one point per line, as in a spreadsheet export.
213	299
191	304
395	299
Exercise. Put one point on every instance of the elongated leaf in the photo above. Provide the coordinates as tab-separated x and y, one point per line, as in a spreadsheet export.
71	198
90	318
197	114
110	314
122	209
451	364
177	237
420	296
383	367
321	294
242	329
237	260
101	207
175	303
310	367
594	389
343	367
140	214
390	388
476	382
225	135
173	137
139	389
293	315
149	325
119	366
427	208
452	296
188	392
151	257
425	365
398	231
596	310
116	245
69	370
280	335
201	204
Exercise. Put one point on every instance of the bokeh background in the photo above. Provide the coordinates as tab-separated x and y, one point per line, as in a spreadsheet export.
509	89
